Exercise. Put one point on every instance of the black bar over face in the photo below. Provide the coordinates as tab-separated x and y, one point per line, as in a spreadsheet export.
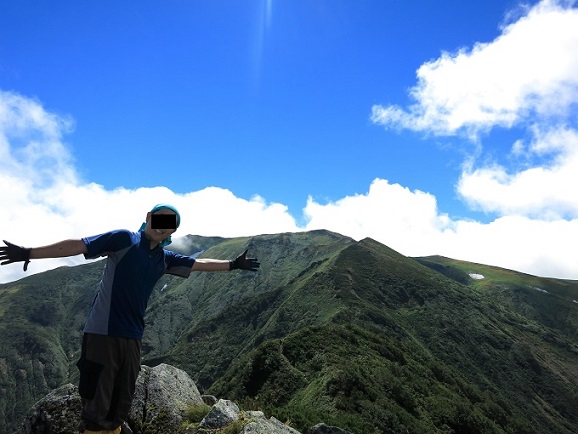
163	221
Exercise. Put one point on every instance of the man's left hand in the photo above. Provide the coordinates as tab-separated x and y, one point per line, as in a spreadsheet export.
244	263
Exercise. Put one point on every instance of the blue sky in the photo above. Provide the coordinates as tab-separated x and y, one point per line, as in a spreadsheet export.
429	126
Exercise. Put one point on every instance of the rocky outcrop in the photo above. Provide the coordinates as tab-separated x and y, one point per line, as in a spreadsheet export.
161	397
267	426
163	394
222	414
56	413
326	429
225	413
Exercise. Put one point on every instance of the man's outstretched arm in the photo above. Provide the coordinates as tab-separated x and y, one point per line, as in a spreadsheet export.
240	263
12	253
204	264
59	250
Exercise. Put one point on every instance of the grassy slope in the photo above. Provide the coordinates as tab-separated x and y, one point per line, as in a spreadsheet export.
223	315
411	351
41	321
329	330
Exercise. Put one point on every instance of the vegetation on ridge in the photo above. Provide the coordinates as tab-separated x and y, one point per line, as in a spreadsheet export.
329	330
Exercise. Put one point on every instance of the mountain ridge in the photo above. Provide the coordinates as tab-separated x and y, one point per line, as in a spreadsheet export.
403	320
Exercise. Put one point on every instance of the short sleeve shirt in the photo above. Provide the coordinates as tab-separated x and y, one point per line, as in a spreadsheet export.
132	269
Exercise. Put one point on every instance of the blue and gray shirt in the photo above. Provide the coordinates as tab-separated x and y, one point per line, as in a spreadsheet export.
130	274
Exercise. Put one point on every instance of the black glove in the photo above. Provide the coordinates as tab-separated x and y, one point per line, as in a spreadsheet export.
14	253
244	263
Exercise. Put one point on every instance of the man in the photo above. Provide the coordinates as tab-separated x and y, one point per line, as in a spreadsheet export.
111	346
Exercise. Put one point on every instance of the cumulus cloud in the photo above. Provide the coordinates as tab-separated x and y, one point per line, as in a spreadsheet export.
407	221
529	79
531	69
544	192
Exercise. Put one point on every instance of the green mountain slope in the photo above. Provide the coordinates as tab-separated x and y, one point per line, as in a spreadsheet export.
348	333
409	350
548	302
41	320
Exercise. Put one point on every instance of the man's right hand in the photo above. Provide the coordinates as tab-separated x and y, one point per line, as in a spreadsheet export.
14	253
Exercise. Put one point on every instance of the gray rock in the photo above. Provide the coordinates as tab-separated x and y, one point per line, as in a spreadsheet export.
267	426
162	395
254	414
56	413
223	413
326	429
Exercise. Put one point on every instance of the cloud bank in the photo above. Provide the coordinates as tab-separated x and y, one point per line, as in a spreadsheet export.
527	78
526	82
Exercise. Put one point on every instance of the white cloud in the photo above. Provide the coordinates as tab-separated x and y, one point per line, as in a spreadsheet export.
404	220
530	69
546	192
31	140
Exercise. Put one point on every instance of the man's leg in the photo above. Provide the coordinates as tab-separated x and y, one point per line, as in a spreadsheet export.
126	380
99	366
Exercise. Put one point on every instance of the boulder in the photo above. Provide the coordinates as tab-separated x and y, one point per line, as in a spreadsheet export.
162	395
223	413
326	429
267	426
56	413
